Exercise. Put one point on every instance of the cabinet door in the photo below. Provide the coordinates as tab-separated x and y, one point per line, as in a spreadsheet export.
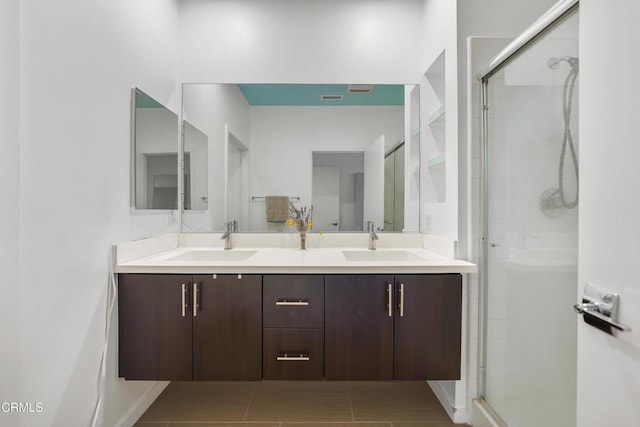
358	327
227	327
154	331
428	327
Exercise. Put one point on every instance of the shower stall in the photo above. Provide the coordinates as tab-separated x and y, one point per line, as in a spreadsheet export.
530	205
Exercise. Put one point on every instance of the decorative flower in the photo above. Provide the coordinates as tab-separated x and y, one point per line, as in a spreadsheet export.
300	218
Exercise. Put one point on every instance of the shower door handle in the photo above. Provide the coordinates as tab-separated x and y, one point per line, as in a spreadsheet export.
591	309
599	308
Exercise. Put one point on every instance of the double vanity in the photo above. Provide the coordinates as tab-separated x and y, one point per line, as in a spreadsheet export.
190	310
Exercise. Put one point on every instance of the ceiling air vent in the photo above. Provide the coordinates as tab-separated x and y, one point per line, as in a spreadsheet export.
331	97
360	88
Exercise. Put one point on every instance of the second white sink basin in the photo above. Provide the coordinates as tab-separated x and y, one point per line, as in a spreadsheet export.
213	255
377	255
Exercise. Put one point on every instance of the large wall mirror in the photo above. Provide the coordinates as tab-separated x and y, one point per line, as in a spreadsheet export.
351	151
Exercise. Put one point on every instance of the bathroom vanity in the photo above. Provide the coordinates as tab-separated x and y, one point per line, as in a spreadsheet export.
190	311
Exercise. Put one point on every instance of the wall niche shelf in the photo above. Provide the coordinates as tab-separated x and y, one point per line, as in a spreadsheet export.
435	138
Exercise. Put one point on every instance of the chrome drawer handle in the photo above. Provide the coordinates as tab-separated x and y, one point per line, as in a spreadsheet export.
185	304
299	358
195	300
389	300
289	302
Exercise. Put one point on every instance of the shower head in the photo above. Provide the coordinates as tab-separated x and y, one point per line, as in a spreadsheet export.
555	61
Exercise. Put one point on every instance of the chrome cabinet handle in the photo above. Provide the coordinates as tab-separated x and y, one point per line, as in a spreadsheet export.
184	300
301	357
401	300
195	300
290	302
389	299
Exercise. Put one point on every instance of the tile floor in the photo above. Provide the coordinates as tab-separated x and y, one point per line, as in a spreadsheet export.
296	404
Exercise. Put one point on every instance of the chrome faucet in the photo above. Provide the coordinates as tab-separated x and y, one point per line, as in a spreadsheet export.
372	235
232	226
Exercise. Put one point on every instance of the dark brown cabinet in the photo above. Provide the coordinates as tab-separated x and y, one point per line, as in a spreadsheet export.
290	327
293	337
227	328
178	327
427	329
358	327
405	327
154	335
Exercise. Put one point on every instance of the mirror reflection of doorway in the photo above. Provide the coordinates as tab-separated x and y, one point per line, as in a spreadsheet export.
162	180
394	189
337	200
237	180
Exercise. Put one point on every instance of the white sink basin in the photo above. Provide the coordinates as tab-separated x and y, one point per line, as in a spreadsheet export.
378	255
213	255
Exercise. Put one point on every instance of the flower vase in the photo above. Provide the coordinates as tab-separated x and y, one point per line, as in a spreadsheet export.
303	239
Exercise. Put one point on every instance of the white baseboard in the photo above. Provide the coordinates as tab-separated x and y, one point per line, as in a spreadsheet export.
140	407
483	417
458	415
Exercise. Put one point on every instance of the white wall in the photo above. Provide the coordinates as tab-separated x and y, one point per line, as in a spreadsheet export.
439	33
609	368
441	218
9	204
289	41
80	60
283	138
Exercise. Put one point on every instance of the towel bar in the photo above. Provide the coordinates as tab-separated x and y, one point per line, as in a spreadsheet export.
254	198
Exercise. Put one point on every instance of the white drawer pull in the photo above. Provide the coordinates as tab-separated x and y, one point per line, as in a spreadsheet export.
288	302
299	358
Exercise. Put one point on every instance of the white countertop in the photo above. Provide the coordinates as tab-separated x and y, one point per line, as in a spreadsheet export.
195	255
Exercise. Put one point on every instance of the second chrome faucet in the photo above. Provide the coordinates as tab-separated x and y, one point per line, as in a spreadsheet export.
232	227
372	235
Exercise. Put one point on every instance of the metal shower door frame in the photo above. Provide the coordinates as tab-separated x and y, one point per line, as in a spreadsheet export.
558	13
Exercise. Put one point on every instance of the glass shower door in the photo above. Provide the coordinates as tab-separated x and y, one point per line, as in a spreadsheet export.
532	233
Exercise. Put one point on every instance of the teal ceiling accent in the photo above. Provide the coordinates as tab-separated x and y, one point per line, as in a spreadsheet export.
309	94
145	101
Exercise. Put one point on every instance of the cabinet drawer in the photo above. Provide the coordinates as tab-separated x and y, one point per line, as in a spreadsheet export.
293	354
293	301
